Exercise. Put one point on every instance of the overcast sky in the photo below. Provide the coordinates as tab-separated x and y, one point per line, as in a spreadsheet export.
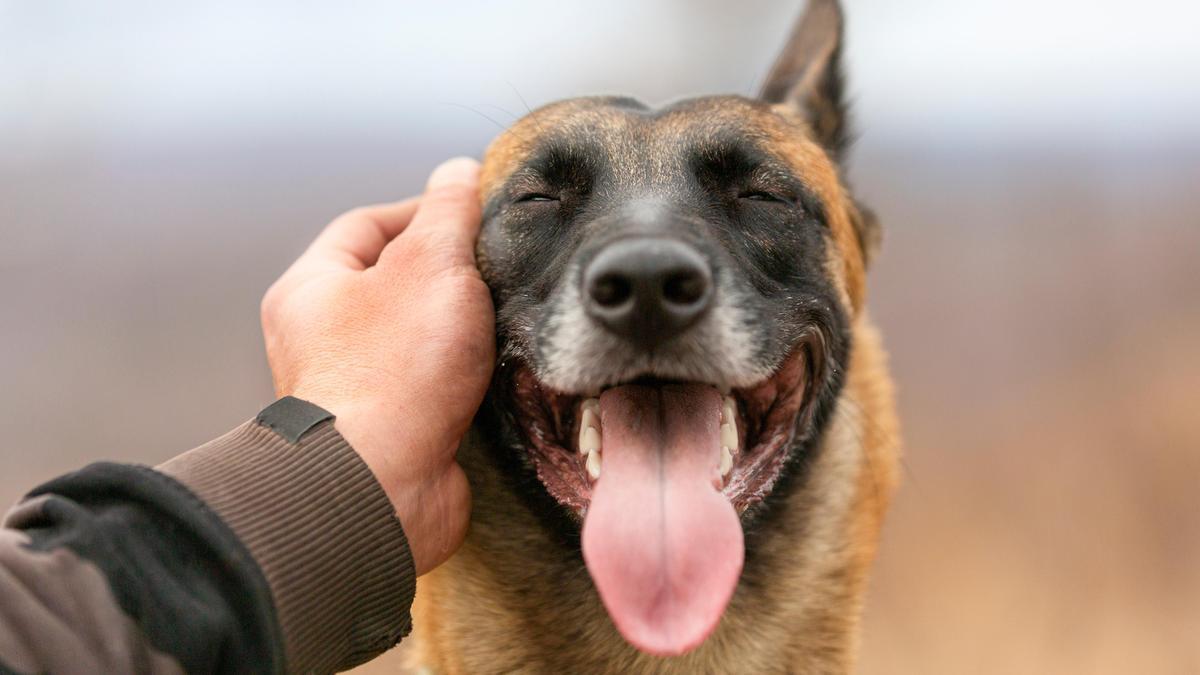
1073	71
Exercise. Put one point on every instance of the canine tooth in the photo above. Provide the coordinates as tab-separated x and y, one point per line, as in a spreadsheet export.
590	418
593	465
592	404
589	440
729	437
726	461
728	410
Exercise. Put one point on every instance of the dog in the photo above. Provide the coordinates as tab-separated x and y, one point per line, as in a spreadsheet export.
690	441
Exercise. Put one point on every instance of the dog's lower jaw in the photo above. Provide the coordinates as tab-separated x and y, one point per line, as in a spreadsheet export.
516	599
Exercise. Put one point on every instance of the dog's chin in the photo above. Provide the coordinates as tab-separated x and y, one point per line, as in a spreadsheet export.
564	437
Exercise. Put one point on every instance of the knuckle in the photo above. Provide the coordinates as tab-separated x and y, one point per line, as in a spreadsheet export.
349	220
356	213
273	307
269	306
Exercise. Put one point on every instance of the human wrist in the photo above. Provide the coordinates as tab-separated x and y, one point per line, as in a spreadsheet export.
363	423
303	502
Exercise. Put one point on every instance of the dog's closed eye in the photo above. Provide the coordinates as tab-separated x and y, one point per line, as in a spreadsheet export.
762	196
536	197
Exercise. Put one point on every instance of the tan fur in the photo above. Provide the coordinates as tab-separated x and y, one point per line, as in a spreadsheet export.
514	601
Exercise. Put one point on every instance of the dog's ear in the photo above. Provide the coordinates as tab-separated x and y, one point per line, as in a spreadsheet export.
808	74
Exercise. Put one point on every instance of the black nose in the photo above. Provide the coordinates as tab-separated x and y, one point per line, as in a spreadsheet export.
647	289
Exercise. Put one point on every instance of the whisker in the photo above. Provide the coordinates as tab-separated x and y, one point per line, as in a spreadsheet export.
505	129
532	116
506	111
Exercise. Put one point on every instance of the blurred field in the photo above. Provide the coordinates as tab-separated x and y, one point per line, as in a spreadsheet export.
1038	289
1048	361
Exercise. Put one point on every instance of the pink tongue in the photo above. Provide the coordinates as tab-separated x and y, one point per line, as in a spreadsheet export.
663	546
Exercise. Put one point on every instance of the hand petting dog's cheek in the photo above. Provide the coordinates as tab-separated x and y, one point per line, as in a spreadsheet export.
386	322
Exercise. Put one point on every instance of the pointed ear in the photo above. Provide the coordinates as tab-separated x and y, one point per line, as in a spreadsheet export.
808	74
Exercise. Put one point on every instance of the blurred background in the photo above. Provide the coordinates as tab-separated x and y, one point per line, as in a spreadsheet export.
1036	165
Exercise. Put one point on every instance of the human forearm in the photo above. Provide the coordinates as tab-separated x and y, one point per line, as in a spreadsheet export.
253	552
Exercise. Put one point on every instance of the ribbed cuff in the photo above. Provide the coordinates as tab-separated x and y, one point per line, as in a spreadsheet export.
324	533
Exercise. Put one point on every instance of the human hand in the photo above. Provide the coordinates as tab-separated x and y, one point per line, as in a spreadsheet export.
385	322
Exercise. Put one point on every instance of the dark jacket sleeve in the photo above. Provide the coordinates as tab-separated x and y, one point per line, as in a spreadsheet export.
270	549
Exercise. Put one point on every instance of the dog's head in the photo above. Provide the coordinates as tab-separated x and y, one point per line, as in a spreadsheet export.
674	289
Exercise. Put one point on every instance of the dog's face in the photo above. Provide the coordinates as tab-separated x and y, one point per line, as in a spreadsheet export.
674	289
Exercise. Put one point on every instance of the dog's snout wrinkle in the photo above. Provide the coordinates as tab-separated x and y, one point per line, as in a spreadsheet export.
647	289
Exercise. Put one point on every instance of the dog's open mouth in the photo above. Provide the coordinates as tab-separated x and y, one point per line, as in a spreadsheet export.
566	432
659	471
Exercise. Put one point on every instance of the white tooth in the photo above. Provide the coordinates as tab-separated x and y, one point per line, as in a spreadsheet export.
592	404
728	410
590	418
589	440
593	465
726	461
729	437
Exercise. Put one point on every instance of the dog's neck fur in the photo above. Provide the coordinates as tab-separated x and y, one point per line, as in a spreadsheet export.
515	600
